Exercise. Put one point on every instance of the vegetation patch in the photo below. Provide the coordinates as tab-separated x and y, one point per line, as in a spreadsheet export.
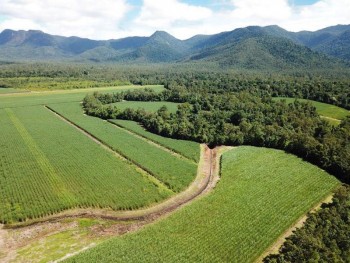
253	204
326	110
42	174
324	236
237	119
174	172
151	106
188	149
60	96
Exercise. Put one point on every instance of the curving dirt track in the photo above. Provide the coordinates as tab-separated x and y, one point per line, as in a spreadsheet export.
17	236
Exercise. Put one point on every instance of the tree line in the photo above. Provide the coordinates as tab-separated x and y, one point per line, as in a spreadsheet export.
239	118
325	86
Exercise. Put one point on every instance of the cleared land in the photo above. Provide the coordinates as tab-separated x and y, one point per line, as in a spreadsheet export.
174	172
44	172
188	149
333	114
148	106
253	204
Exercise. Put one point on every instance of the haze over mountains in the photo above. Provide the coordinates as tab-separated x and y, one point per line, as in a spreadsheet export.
251	47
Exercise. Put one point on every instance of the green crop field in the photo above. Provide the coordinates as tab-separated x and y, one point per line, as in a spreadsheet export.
262	192
330	112
60	96
174	172
188	149
47	166
151	106
10	91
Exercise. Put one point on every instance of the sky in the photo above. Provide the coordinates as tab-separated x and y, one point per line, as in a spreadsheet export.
113	19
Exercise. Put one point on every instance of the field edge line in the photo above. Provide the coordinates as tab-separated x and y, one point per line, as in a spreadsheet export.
276	245
143	171
153	142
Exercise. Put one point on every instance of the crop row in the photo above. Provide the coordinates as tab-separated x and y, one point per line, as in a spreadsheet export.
174	172
189	149
262	192
48	166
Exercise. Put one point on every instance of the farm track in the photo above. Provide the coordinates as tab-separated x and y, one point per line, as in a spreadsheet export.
207	176
206	179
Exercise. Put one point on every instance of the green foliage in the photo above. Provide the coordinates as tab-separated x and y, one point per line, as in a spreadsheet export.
147	106
188	149
324	109
324	236
262	192
172	171
236	119
42	174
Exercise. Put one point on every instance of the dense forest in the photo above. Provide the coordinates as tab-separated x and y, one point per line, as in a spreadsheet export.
324	86
324	236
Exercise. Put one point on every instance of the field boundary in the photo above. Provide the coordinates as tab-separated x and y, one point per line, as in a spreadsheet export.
153	142
275	246
143	171
206	179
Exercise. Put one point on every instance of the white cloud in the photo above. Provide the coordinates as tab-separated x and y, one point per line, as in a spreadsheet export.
173	16
110	18
262	11
168	14
87	18
241	13
319	15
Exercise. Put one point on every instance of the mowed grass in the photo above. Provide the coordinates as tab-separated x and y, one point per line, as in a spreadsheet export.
326	110
262	192
47	166
60	96
151	106
174	172
188	149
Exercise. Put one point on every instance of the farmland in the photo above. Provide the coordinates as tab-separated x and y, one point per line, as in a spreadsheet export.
252	205
329	112
172	171
10	91
59	96
68	162
41	174
188	149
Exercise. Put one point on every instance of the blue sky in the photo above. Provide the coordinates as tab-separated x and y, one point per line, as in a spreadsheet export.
106	19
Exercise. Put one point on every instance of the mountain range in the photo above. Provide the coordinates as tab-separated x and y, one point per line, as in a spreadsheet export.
251	47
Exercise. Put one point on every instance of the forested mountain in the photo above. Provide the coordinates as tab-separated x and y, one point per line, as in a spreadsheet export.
252	47
334	40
